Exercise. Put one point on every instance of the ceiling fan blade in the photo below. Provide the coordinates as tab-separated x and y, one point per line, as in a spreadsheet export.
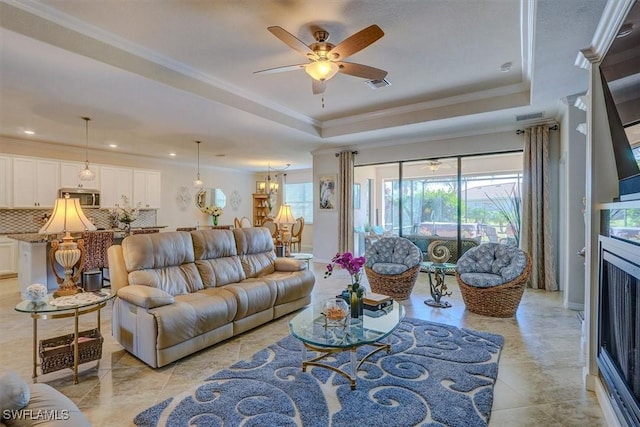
318	86
292	41
356	42
359	70
281	69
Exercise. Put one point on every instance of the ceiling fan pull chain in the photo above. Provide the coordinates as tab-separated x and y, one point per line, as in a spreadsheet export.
323	100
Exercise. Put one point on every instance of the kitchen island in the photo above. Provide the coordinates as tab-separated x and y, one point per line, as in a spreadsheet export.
33	257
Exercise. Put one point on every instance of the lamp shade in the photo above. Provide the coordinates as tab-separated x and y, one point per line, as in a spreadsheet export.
322	70
284	215
67	217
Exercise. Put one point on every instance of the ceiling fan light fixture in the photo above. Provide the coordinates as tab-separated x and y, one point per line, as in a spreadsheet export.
322	70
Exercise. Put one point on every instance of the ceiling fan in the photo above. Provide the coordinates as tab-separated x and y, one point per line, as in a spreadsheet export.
325	59
435	165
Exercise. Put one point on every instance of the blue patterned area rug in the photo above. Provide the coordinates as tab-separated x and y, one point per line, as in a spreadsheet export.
435	375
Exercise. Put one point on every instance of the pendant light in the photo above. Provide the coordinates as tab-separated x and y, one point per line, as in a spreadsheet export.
86	174
198	184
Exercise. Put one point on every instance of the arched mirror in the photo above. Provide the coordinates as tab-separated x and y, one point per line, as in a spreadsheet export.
211	197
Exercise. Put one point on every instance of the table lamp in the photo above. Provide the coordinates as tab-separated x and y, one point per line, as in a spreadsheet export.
67	218
284	219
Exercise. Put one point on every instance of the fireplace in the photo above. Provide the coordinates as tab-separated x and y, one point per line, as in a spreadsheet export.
619	326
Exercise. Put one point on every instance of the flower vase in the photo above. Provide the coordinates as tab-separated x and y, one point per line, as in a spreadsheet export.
126	227
215	220
357	306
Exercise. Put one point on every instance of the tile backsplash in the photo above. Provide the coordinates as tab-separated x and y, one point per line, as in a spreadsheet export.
31	220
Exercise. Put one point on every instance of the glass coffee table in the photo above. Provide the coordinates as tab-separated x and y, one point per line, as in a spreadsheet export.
310	327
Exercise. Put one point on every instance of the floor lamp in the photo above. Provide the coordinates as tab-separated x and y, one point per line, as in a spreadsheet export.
284	219
67	218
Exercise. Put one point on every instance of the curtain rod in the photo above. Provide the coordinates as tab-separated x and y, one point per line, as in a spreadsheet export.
554	127
353	152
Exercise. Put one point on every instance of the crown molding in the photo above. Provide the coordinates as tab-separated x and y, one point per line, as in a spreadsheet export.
615	11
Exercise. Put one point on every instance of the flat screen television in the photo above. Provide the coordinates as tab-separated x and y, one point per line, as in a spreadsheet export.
620	73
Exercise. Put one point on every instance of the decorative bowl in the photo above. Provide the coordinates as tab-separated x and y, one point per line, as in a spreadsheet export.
335	311
36	293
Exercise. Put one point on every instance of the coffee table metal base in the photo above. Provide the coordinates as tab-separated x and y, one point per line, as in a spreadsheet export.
327	351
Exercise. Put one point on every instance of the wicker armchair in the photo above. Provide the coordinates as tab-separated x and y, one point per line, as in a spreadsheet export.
392	266
492	277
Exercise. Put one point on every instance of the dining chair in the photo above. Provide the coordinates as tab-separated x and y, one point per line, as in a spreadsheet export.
272	227
296	234
245	222
237	223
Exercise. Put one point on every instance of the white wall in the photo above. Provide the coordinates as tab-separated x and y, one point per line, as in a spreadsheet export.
175	174
573	150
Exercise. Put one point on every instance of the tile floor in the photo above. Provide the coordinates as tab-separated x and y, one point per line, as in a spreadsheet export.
539	379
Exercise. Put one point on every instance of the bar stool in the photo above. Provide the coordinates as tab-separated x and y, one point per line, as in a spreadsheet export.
96	244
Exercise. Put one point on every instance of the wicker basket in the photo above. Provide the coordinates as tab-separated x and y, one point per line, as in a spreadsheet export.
398	286
497	301
57	353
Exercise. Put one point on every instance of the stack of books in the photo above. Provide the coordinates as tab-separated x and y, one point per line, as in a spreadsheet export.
373	301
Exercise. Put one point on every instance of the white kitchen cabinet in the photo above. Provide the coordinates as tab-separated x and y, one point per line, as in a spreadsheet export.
69	176
5	182
146	189
8	256
35	182
114	183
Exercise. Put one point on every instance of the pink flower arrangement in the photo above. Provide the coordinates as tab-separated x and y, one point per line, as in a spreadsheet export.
353	265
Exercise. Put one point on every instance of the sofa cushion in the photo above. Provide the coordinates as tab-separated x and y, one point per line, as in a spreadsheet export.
193	314
162	260
394	250
255	248
216	257
482	280
178	280
14	392
389	268
253	296
505	261
291	287
145	296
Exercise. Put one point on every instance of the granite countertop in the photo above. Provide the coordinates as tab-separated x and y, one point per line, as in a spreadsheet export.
43	238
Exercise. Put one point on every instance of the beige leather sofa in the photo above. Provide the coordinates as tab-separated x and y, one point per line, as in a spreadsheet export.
179	292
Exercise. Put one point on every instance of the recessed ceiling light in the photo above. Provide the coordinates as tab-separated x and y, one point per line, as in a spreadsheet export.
506	67
29	132
113	145
172	154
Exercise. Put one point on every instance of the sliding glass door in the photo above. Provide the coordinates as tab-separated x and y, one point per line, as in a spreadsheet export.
463	200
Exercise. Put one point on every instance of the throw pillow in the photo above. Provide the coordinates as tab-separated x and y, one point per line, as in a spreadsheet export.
14	392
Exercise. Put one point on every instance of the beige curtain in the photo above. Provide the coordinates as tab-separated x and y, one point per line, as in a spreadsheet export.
536	236
345	205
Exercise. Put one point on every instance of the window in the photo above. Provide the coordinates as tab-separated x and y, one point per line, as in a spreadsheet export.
300	198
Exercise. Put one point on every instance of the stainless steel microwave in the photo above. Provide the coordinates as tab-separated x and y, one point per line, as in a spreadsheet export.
88	198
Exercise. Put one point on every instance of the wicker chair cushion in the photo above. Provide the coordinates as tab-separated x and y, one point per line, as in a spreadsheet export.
395	250
389	268
482	280
506	261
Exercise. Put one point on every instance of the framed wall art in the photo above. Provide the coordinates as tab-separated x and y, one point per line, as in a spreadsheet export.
327	192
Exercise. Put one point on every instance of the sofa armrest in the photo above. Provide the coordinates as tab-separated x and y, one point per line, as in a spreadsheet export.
290	264
145	296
